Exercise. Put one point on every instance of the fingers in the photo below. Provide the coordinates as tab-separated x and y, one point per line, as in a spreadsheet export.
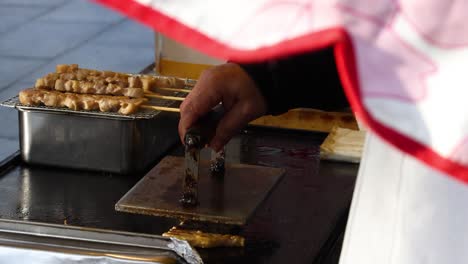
229	84
234	120
204	96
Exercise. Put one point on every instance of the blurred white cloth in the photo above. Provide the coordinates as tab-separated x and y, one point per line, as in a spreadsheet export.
404	212
402	63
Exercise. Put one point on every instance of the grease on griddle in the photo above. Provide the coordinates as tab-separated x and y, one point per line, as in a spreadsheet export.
217	167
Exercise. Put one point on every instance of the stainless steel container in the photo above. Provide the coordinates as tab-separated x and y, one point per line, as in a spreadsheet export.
95	143
93	140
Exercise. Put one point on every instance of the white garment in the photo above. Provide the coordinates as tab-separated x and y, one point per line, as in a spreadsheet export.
402	63
404	212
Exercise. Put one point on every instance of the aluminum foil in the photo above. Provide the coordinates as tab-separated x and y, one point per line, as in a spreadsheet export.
29	242
185	251
19	255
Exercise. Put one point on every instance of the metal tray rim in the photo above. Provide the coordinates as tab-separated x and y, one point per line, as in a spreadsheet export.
13	102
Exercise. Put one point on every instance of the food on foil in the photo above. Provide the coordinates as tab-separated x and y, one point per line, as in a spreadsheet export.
103	103
201	239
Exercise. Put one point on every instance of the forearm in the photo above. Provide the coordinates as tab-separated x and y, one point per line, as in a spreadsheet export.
307	80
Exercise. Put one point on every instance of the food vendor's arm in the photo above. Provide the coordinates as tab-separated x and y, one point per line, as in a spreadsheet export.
306	80
249	91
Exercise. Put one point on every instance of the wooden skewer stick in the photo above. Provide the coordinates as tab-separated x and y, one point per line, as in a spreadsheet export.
166	97
175	89
161	108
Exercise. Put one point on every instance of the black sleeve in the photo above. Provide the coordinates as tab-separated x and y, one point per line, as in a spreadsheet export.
307	80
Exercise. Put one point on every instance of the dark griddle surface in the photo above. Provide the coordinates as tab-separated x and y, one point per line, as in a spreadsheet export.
296	224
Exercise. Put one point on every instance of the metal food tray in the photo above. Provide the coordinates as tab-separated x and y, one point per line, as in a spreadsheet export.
30	242
93	140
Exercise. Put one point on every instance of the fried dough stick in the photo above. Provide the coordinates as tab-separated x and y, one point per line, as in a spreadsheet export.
205	240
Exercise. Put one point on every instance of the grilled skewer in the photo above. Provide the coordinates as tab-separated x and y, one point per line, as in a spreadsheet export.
70	78
105	91
103	103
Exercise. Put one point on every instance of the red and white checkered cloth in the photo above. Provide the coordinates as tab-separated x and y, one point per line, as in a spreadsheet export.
404	64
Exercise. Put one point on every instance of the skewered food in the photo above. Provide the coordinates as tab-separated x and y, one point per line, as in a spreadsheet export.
86	89
151	83
205	240
103	103
70	78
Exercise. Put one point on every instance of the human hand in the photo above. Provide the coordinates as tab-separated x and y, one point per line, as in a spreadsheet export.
230	85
